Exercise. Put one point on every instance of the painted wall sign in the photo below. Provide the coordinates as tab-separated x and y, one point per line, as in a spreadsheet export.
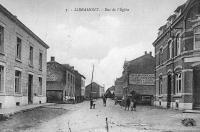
142	79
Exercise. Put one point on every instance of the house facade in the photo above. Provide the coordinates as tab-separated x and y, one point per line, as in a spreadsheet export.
60	82
177	51
140	78
22	63
94	90
79	86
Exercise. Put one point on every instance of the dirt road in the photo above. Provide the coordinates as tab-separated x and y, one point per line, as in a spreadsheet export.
79	118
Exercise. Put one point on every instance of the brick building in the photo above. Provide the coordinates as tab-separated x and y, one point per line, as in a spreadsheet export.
139	77
22	63
97	90
177	51
60	82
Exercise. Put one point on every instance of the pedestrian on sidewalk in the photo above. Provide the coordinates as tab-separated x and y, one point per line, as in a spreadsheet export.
128	102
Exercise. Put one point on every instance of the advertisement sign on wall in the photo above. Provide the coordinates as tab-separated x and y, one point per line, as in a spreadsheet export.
142	79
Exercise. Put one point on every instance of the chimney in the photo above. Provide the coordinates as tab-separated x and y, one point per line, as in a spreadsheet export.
150	53
145	52
52	58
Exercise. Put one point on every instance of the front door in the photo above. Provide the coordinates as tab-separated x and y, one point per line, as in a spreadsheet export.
196	91
169	88
30	86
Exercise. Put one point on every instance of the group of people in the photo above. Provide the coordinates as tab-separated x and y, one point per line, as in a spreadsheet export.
130	102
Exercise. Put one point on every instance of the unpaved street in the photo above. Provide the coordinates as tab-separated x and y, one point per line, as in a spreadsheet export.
79	118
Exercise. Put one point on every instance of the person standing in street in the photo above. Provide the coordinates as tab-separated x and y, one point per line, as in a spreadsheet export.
91	103
128	102
104	100
133	105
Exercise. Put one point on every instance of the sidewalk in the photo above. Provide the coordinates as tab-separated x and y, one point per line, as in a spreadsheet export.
192	111
11	111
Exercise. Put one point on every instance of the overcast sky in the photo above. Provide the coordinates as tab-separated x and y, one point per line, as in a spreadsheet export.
102	38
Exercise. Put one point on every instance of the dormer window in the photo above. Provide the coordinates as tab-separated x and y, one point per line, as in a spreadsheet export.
178	45
170	51
161	56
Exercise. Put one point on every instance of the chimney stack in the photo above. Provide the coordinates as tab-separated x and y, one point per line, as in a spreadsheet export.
52	58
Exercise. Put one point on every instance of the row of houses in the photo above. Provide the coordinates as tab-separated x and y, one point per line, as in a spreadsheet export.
64	83
175	70
25	75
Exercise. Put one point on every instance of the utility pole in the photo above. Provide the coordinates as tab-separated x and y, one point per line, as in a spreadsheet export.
91	82
91	101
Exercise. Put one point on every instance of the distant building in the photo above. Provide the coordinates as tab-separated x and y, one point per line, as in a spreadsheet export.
60	82
111	89
177	51
96	92
79	86
22	63
139	76
110	92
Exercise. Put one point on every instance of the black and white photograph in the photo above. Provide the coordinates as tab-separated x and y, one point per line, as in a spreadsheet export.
99	65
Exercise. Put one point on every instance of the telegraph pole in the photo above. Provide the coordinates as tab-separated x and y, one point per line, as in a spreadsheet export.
91	102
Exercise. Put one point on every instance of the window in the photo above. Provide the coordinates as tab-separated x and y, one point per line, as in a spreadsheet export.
68	77
40	61
160	85
170	49
1	39
178	45
197	41
1	78
40	86
31	56
161	56
19	45
178	83
17	82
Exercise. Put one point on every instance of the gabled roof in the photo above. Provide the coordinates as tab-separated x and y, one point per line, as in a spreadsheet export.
144	64
21	25
93	83
76	72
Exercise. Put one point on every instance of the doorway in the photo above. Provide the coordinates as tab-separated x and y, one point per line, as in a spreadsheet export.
30	87
169	89
196	90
